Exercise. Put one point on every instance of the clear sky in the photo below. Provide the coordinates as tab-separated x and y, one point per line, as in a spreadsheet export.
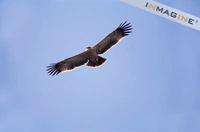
150	82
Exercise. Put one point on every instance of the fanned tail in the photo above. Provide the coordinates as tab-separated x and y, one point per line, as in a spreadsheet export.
99	61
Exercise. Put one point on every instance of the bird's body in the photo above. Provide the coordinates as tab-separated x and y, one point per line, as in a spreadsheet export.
91	57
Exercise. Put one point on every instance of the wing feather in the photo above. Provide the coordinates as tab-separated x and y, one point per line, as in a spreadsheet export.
111	39
68	64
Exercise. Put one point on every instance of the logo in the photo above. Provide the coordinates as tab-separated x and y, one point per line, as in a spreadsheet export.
169	13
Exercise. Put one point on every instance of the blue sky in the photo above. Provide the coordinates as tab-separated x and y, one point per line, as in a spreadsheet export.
150	81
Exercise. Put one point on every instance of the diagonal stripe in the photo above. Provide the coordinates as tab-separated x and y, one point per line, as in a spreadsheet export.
167	12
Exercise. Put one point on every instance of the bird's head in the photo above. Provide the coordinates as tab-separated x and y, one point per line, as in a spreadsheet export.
88	47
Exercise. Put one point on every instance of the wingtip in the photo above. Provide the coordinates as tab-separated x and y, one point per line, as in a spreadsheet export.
125	27
124	23
52	70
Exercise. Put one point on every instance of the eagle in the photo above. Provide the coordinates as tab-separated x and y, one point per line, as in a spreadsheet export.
91	57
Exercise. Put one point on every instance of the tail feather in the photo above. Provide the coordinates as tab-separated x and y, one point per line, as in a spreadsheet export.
100	60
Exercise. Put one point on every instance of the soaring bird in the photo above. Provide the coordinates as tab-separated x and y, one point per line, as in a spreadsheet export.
91	57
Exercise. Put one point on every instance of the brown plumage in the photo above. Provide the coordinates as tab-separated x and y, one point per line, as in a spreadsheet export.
91	55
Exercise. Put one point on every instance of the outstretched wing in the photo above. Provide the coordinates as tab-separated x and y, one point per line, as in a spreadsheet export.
68	64
122	30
